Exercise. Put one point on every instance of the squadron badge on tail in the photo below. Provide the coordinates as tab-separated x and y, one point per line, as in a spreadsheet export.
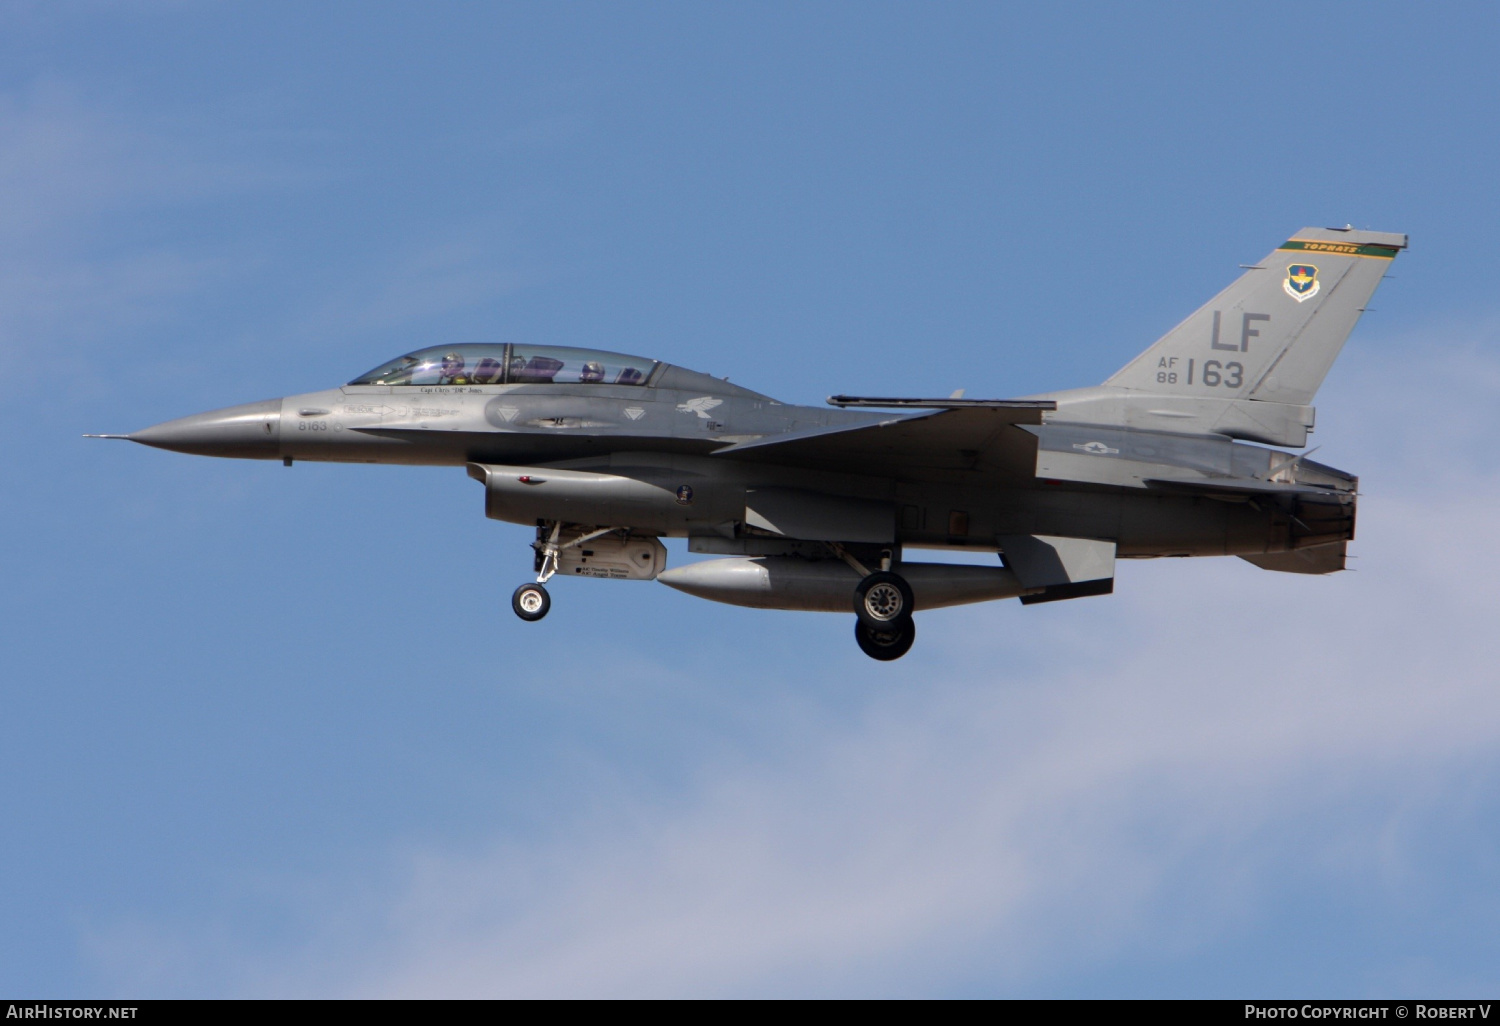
1301	282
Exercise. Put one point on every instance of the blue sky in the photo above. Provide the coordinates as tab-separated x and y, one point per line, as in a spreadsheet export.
276	732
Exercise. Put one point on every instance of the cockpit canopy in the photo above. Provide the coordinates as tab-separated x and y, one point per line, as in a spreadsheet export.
496	364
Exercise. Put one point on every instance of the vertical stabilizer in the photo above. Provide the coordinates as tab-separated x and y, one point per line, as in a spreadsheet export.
1274	333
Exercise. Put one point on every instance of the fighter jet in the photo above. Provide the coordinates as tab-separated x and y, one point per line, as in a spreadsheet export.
1181	453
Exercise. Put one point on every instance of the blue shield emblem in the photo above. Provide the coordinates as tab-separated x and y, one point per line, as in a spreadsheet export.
1301	282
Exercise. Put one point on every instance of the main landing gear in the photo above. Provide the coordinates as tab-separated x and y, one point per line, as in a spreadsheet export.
882	598
882	608
883	605
886	643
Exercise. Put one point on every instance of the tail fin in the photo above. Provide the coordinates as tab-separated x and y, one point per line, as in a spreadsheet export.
1274	333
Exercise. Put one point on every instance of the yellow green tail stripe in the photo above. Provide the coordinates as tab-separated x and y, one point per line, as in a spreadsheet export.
1341	248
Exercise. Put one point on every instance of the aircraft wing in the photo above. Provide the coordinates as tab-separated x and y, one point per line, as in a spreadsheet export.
938	441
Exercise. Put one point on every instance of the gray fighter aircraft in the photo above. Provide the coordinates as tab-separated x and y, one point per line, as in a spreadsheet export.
816	508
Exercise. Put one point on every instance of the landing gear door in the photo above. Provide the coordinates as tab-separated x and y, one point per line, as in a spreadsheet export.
1063	568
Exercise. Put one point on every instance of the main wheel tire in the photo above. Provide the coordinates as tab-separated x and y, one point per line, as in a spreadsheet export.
882	599
531	602
891	641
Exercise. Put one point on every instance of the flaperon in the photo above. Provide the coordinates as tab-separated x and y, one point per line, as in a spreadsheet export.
818	508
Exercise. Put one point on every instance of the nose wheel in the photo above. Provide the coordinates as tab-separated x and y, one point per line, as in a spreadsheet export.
531	602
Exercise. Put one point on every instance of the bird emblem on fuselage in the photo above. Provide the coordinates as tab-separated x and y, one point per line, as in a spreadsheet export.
700	406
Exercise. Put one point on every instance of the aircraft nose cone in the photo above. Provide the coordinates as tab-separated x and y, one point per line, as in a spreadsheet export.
252	431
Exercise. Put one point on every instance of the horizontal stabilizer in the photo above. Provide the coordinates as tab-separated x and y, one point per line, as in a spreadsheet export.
1317	559
1241	487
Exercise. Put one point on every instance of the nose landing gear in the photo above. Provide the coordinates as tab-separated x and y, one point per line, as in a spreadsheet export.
607	552
531	602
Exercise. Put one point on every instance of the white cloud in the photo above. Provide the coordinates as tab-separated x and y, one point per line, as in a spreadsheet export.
1056	787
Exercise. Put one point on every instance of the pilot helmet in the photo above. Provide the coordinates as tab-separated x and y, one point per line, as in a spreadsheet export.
592	371
453	363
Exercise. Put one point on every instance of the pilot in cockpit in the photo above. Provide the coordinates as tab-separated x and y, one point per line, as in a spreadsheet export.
592	373
453	371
